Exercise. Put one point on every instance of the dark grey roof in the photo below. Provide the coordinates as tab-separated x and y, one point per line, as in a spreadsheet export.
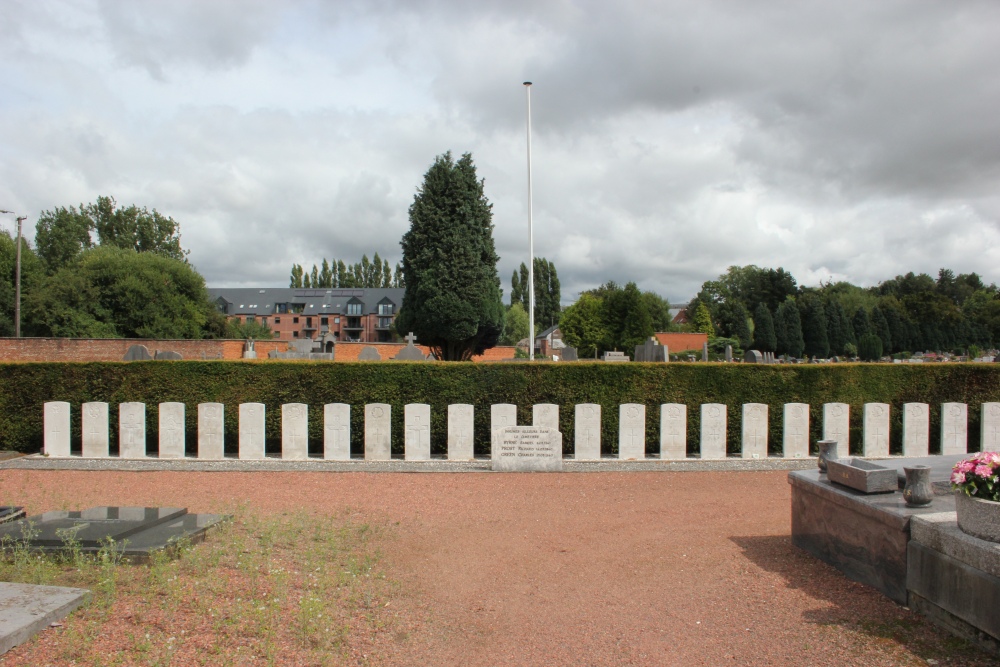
546	332
261	301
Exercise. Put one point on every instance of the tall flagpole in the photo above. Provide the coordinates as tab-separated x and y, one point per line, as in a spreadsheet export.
531	242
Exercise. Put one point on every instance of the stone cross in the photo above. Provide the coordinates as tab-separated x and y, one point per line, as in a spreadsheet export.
417	422
755	431
461	423
337	432
673	431
713	431
211	433
378	437
916	429
587	432
632	431
410	338
795	444
251	431
55	417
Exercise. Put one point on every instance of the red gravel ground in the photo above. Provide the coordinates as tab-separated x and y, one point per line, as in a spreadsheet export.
566	569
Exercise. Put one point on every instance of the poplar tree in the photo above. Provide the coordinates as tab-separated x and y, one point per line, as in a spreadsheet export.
452	300
763	329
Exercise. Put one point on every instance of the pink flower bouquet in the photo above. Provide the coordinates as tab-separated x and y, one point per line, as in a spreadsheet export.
978	476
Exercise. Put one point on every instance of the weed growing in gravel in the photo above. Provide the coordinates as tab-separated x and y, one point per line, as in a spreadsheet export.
260	590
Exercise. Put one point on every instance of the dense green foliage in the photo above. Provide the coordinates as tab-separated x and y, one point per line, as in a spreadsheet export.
515	328
368	273
452	300
32	275
763	332
547	294
610	317
25	387
869	347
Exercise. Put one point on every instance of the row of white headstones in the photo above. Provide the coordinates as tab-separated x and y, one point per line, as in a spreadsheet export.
587	444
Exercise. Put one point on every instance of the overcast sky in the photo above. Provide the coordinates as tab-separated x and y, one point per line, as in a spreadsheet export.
845	140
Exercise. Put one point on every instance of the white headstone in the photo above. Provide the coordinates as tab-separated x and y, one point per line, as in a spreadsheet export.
632	431
55	418
755	431
795	440
916	429
95	430
378	433
713	431
417	432
587	432
295	431
876	430
501	415
251	431
461	428
527	449
211	431
673	431
337	432
132	430
172	441
545	415
990	433
837	426
954	428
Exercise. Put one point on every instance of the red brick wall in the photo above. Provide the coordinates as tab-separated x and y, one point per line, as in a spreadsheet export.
679	342
114	349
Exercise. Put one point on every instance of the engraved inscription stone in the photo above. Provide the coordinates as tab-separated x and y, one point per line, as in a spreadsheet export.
211	431
55	418
837	426
916	429
527	449
378	436
587	432
754	431
461	425
990	433
252	431
95	430
172	440
132	430
795	440
417	436
876	430
295	431
673	431
713	431
502	415
954	428
632	431
337	432
545	415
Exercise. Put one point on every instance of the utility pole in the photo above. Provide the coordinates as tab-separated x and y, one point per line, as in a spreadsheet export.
17	278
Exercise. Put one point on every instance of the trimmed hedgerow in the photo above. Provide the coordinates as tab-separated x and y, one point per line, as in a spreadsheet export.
25	387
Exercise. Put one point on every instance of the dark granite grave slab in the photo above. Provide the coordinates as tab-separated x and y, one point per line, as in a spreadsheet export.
135	531
9	513
863	536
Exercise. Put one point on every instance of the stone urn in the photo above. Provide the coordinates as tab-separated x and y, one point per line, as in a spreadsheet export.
977	517
827	451
918	491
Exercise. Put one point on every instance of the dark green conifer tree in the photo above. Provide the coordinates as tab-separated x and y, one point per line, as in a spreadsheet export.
763	329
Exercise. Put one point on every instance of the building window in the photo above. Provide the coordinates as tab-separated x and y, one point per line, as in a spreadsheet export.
295	334
295	320
251	318
277	320
336	320
324	321
263	320
385	309
354	309
309	321
384	322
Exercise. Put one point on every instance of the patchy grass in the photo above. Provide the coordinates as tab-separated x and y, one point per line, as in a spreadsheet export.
289	589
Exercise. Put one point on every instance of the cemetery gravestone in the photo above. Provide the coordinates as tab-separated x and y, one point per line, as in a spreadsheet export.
337	432
411	352
754	431
461	425
56	423
990	433
545	415
211	431
729	353
167	355
132	430
713	431
502	415
95	430
587	432
252	431
378	434
527	449
614	356
632	432
876	430
570	354
704	351
137	353
650	351
417	423
753	357
673	431
916	429
172	441
295	431
795	444
369	353
954	428
837	426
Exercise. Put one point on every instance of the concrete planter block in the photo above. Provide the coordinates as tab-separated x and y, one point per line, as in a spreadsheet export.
977	517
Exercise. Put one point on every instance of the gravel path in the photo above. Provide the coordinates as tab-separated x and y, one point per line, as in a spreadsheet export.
610	568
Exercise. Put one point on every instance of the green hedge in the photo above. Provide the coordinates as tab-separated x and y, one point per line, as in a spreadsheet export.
25	387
